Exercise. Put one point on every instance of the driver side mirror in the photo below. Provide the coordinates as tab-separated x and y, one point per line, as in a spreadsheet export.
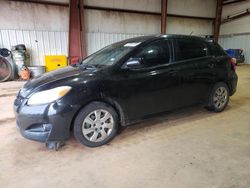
133	63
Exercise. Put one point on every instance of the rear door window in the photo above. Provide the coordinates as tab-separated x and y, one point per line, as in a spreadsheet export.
189	49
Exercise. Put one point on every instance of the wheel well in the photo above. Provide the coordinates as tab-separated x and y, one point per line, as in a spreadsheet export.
109	102
227	83
223	81
230	87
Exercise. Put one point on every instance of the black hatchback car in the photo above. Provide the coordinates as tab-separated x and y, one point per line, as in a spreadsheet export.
122	84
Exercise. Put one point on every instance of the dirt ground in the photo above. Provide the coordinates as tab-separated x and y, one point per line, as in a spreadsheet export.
191	148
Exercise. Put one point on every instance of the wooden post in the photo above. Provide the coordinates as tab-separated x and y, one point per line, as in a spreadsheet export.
163	16
74	31
217	21
83	31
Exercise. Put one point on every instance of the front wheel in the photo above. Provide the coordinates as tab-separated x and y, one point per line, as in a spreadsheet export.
218	98
96	124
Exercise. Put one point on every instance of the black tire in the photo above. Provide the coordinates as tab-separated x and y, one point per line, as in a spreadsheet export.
4	52
212	105
86	111
5	69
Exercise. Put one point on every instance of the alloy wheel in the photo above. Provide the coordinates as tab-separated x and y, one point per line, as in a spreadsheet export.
97	125
220	97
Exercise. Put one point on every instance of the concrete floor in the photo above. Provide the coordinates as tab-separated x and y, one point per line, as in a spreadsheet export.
190	148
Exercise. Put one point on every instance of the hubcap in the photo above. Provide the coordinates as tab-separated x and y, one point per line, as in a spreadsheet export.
97	125
220	97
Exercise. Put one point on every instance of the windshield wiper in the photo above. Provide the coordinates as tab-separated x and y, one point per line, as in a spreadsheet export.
88	66
84	66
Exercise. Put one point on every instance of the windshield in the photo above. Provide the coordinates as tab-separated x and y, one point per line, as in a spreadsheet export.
110	54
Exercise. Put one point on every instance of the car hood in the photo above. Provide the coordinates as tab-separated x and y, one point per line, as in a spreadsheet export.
68	72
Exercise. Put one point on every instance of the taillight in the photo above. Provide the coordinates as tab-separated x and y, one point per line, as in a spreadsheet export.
233	63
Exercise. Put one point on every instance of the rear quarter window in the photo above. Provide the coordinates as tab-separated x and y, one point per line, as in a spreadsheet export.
189	49
217	50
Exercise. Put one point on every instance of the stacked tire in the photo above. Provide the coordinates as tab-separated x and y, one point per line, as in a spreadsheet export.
6	69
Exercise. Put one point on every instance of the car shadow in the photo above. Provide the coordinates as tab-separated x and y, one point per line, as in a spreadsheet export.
127	135
167	120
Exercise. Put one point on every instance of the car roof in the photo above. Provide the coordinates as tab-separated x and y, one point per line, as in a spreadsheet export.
146	38
181	36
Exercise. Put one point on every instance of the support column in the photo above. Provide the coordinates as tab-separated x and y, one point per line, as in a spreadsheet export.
217	22
77	35
74	31
163	16
83	32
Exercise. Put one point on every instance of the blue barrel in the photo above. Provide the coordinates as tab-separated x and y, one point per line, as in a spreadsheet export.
231	52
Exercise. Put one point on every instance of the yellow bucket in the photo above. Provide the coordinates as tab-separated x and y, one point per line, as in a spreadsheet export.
53	62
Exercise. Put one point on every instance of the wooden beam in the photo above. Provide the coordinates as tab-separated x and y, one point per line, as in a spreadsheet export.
121	10
43	2
164	16
74	31
83	32
145	12
217	21
236	16
232	2
87	7
190	17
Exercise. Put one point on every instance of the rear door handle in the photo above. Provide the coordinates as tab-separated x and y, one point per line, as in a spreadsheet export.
172	72
215	59
211	65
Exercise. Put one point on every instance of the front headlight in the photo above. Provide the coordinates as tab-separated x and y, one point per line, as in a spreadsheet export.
48	96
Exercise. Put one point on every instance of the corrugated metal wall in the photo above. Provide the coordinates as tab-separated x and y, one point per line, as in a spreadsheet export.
96	41
237	41
40	43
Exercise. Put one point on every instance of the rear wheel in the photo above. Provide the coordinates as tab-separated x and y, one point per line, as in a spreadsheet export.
96	124
218	98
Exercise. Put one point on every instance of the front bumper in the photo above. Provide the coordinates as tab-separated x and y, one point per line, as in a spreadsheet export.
44	123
